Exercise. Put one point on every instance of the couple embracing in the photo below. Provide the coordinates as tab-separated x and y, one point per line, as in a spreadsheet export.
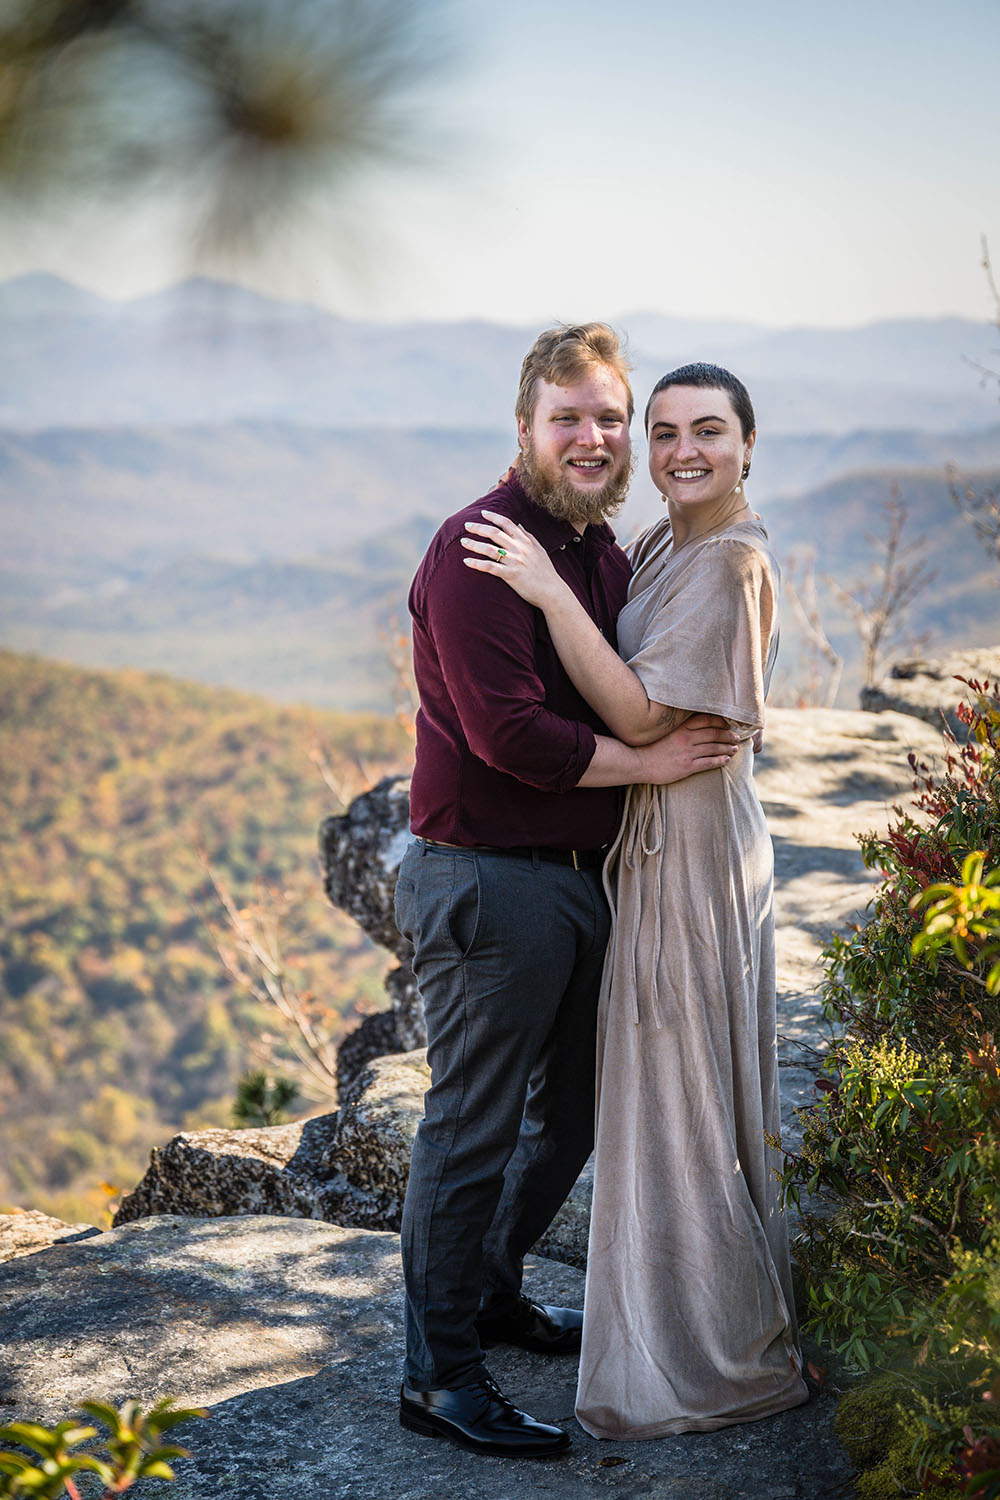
589	896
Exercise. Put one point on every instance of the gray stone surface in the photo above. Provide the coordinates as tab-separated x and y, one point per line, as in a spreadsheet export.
376	1036
289	1331
825	776
928	689
26	1230
567	1235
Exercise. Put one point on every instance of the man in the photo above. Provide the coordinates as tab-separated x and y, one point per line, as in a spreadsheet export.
515	797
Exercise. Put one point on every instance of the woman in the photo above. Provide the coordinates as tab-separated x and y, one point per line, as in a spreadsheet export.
689	1316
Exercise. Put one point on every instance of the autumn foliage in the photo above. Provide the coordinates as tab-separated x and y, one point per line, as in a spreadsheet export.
118	1023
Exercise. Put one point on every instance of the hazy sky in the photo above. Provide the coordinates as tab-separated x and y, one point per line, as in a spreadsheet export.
780	163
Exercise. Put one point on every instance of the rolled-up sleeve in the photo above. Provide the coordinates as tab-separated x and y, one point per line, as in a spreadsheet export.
485	639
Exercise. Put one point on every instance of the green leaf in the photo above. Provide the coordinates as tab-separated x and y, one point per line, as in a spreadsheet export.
31	1435
95	1466
13	1463
103	1413
173	1416
170	1451
155	1469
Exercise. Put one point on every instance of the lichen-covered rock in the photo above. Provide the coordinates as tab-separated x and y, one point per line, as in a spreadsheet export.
347	1168
26	1230
407	1007
375	1136
376	1036
277	1169
360	852
929	690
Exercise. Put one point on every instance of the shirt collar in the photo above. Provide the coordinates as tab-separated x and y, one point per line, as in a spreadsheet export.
552	533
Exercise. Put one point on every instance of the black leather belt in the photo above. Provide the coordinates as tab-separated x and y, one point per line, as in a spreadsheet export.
580	859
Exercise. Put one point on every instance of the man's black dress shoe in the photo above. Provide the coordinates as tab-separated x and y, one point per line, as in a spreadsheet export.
481	1418
530	1325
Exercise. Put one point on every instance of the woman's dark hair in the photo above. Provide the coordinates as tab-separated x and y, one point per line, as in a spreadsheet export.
711	377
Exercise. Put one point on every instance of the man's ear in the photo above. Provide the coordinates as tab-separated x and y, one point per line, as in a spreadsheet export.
523	432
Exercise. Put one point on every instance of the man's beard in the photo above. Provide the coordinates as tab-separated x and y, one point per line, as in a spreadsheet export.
563	501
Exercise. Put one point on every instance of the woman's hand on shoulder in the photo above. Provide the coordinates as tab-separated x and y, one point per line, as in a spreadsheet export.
500	546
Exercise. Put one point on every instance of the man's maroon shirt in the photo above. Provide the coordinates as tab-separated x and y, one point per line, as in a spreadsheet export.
503	736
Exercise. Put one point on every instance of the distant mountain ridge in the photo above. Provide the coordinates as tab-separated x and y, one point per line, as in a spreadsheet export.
214	483
82	509
212	352
315	624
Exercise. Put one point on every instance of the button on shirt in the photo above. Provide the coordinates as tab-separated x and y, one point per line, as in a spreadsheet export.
503	736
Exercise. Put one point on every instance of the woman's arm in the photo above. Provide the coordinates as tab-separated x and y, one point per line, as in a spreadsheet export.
595	668
701	744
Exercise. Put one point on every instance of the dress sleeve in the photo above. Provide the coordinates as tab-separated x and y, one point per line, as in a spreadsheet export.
707	648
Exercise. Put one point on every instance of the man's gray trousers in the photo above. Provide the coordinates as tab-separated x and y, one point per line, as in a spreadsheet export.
508	952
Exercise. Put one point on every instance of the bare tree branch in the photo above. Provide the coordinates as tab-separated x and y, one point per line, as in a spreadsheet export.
899	575
345	781
253	959
805	602
981	509
405	698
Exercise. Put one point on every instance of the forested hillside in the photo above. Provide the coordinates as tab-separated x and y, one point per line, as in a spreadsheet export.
117	1022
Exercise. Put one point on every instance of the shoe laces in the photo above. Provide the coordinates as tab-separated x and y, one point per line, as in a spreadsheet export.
490	1387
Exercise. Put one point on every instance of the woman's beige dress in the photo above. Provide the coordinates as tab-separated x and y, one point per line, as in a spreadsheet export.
689	1319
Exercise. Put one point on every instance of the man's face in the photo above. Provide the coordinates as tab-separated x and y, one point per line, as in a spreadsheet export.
576	458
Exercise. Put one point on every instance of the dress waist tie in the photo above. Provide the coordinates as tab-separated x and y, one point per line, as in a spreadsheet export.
642	835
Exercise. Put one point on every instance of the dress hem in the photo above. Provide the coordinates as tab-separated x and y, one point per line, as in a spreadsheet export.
678	1425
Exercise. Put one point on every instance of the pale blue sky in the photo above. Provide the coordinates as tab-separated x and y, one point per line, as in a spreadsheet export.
780	163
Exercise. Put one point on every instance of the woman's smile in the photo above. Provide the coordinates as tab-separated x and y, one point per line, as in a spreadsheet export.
697	451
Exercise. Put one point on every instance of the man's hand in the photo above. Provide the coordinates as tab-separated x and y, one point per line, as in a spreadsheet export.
702	743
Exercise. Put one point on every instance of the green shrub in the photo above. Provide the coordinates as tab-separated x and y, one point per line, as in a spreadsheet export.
903	1277
128	1452
882	1427
261	1100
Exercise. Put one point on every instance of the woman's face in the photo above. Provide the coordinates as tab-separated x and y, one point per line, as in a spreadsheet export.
697	451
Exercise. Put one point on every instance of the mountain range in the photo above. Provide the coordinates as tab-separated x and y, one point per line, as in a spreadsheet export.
211	352
227	487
